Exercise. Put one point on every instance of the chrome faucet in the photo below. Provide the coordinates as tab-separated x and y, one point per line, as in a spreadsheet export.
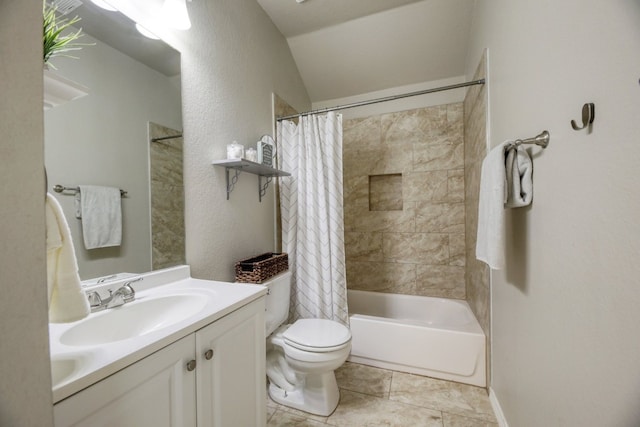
121	296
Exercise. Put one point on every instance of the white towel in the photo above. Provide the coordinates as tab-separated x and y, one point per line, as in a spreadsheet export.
505	182
101	213
67	301
519	169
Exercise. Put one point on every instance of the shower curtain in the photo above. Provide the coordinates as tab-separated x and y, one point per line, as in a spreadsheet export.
312	215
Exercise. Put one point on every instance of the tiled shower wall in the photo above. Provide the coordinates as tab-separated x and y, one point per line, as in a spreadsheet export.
475	150
404	202
167	198
475	130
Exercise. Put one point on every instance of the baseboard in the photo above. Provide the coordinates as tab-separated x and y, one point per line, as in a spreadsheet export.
497	410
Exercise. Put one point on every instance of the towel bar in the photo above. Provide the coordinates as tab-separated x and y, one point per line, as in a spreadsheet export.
60	188
541	139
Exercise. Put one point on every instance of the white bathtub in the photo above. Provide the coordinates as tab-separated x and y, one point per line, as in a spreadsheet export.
436	337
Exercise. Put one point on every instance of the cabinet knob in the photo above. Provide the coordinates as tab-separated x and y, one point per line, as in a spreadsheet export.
208	354
191	365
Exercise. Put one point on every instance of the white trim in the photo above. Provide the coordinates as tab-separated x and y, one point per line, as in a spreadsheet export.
497	410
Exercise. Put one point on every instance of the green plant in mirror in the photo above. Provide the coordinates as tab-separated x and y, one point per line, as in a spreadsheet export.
55	43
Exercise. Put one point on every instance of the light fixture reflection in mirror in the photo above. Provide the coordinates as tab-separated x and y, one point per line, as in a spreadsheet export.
104	5
104	139
174	13
142	30
153	15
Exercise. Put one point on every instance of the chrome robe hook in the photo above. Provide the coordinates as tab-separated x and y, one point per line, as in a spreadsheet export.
588	114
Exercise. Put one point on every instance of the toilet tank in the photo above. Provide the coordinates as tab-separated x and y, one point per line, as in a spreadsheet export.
277	301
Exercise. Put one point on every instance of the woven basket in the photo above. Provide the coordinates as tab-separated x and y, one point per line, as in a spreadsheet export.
262	267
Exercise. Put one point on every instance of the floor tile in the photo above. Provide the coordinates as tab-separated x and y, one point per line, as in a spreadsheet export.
295	412
361	410
371	397
364	379
446	396
287	419
452	420
270	410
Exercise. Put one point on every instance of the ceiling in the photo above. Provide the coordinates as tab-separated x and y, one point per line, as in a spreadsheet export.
349	47
293	19
342	47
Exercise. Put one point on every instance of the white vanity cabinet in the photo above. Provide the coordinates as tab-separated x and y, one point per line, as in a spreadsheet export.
231	370
213	377
156	391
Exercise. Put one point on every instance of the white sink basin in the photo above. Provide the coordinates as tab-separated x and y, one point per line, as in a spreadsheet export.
64	368
133	319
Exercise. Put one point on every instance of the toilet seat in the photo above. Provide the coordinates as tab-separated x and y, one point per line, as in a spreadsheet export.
317	335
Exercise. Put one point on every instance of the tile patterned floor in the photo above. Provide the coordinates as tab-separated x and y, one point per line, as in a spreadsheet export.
378	397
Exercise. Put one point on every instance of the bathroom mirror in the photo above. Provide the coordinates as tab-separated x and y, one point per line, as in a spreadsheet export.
104	138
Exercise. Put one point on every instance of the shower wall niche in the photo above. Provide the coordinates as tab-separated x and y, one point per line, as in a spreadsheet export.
404	206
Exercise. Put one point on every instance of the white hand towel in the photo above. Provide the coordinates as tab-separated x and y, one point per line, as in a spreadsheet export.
101	213
519	169
67	301
505	182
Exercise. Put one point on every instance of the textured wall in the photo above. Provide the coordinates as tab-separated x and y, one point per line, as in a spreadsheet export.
475	149
404	202
233	59
25	387
565	315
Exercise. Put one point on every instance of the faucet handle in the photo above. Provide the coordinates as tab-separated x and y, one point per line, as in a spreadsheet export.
127	291
128	283
94	300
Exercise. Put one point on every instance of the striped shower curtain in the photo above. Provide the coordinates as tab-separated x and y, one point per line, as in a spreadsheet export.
312	215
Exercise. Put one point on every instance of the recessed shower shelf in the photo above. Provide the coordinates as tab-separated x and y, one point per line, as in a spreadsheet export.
241	165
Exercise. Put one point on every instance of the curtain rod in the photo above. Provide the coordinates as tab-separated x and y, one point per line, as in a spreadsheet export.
385	99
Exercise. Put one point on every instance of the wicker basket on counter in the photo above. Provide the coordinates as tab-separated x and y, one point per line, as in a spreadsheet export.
262	267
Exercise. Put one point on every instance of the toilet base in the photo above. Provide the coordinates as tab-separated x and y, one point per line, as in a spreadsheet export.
318	394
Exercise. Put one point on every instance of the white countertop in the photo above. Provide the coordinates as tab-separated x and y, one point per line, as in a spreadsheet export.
88	364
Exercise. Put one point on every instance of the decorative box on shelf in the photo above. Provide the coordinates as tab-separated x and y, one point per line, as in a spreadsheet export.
262	267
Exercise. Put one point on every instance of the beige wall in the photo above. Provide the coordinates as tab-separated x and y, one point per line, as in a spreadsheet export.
475	149
565	310
25	388
404	202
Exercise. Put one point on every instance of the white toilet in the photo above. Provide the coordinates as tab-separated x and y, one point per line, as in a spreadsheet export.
302	357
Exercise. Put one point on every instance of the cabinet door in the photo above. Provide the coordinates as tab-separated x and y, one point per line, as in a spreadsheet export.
156	391
231	384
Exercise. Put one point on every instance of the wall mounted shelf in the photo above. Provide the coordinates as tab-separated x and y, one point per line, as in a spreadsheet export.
59	90
265	173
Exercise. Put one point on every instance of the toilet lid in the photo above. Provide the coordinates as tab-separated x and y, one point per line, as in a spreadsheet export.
317	334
